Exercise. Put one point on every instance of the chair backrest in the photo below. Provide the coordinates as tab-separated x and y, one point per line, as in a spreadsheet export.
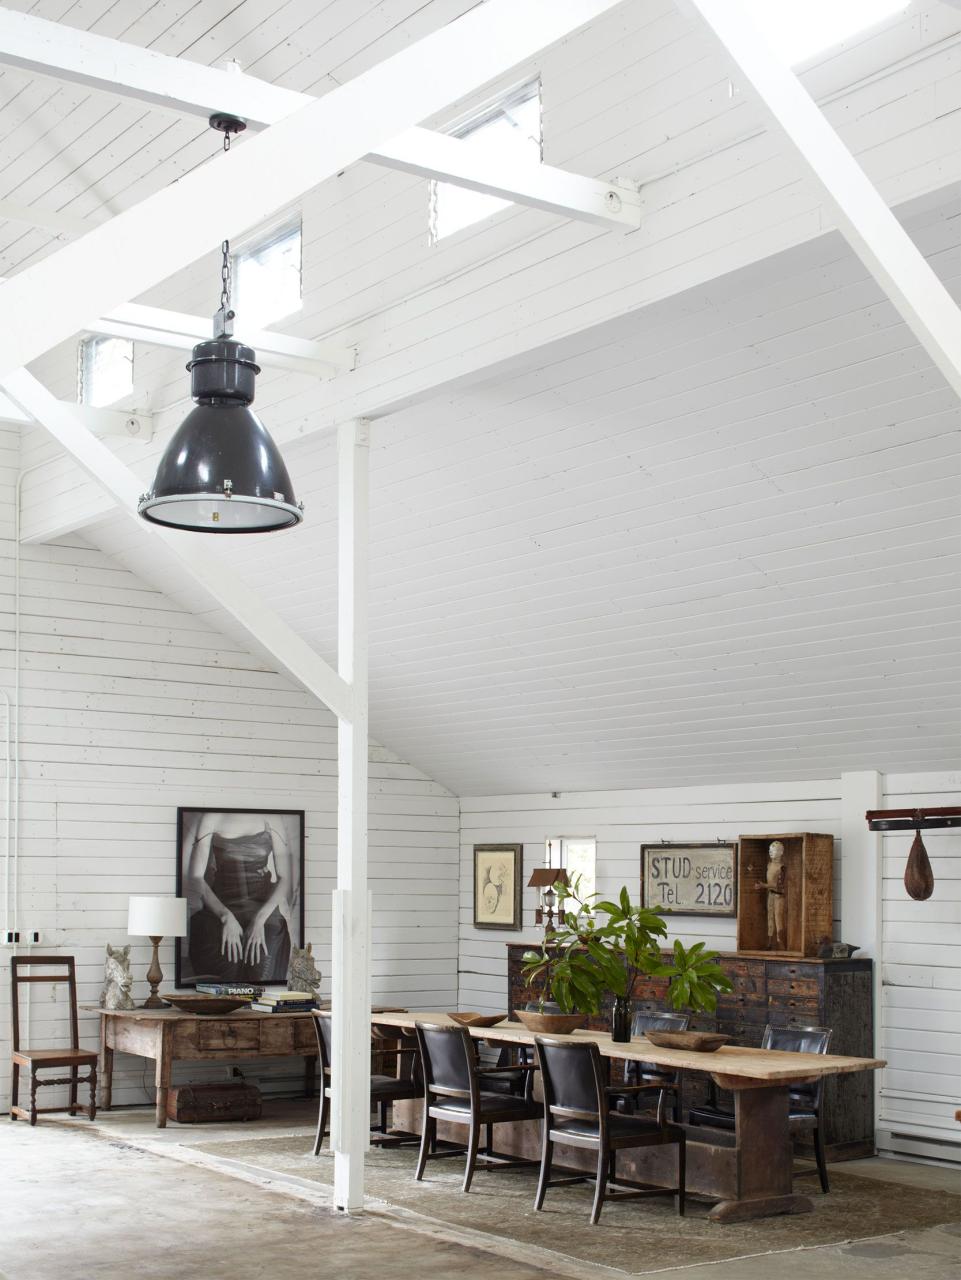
644	1022
448	1061
322	1029
408	1052
800	1040
67	973
573	1079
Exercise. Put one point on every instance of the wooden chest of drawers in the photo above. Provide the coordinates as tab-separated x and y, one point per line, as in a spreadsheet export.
826	993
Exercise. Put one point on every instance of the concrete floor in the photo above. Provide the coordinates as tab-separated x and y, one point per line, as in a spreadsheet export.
123	1199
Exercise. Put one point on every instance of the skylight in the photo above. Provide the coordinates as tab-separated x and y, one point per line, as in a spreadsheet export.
267	278
798	29
104	371
509	127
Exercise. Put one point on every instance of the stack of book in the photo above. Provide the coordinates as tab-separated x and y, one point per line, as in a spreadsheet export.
284	1002
239	990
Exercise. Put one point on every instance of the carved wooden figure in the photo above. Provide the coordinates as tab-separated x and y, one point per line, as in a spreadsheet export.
774	886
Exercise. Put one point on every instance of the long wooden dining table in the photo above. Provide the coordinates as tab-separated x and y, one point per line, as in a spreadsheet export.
748	1172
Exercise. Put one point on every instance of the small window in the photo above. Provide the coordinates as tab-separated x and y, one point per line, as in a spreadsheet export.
267	283
104	371
509	128
578	856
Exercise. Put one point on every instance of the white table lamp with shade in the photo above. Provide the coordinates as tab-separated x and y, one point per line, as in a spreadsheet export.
156	919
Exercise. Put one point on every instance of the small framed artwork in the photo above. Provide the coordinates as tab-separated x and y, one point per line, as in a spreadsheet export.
498	876
242	873
690	879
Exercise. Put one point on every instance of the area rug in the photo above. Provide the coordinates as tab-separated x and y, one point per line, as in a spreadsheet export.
635	1236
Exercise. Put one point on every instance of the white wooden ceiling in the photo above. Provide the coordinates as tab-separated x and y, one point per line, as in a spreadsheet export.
718	540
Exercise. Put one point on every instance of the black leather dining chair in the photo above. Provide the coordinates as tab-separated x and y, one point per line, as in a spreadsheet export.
804	1100
577	1113
648	1077
455	1091
384	1090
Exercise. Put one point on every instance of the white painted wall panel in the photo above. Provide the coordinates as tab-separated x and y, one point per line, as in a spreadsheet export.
919	1022
921	982
621	821
131	706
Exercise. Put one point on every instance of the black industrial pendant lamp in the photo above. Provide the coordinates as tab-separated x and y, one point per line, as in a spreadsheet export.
221	472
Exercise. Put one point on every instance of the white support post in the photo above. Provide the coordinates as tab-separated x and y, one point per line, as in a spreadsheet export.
350	969
861	888
864	218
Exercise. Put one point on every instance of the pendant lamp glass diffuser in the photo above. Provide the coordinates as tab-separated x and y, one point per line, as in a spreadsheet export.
221	471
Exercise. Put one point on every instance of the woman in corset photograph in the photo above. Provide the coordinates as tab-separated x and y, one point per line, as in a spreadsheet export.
241	872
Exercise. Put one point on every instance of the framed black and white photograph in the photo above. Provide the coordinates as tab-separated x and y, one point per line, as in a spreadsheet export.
242	873
498	876
690	879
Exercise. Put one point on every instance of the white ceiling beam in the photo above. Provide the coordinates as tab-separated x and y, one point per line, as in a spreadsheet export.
61	224
176	329
146	244
438	155
46	48
181	332
191	551
863	217
132	423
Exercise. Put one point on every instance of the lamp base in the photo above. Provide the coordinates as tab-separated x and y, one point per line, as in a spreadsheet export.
154	977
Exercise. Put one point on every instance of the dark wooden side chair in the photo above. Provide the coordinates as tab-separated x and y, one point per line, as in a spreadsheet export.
35	1060
804	1099
384	1090
455	1090
648	1077
577	1113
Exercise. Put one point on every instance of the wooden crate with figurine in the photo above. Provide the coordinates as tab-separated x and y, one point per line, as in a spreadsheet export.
785	893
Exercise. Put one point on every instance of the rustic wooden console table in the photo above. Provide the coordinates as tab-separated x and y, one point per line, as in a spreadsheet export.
168	1036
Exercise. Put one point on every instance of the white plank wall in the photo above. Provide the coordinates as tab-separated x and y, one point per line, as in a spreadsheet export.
921	982
621	821
131	707
919	1022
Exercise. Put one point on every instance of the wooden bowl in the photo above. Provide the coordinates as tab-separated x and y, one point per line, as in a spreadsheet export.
194	1002
551	1024
696	1041
477	1019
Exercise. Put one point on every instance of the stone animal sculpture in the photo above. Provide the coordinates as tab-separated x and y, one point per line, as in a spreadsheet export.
117	979
302	973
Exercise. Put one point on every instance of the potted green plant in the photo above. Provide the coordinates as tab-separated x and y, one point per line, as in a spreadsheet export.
571	970
695	978
633	934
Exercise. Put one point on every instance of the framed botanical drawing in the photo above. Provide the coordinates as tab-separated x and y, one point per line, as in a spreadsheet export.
690	879
242	873
498	876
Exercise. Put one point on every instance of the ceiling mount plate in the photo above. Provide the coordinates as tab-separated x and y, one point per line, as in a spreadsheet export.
224	122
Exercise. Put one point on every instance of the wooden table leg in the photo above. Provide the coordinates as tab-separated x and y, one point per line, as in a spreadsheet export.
765	1158
106	1065
162	1076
